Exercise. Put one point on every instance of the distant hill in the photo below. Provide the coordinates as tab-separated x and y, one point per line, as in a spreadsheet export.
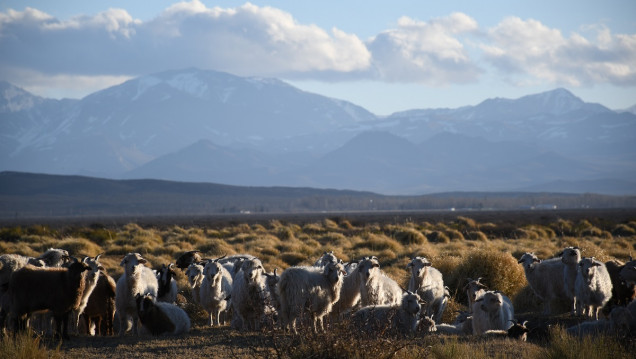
27	195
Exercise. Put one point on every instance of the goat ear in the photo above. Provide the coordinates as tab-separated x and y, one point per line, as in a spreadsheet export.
97	257
123	262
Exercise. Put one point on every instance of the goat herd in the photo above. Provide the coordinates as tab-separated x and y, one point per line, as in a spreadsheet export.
237	289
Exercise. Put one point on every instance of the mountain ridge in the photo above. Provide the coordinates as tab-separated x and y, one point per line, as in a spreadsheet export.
203	125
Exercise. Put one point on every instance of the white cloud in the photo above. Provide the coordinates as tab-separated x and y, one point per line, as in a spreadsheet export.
247	40
521	48
425	52
265	41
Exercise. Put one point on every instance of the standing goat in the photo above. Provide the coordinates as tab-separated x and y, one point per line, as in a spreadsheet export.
249	295
570	258
593	286
428	283
136	280
376	288
167	285
310	289
216	287
546	278
474	289
59	290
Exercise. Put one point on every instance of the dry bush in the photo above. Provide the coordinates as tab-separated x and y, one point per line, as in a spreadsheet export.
216	247
498	270
80	247
437	237
285	233
564	346
313	228
292	258
476	236
379	242
410	236
454	235
623	230
466	223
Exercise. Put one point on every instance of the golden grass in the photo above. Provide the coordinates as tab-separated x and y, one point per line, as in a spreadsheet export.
460	248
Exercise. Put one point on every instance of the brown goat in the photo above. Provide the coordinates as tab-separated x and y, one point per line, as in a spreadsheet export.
101	306
59	290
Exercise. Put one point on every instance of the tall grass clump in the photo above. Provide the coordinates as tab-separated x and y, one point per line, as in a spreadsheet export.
498	270
564	346
23	345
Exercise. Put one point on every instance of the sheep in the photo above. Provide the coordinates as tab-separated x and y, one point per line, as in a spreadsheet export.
545	278
195	277
593	286
311	289
428	283
375	287
136	279
327	257
34	289
570	258
161	317
622	292
517	331
394	319
90	281
167	285
187	258
474	289
248	295
101	305
216	287
492	310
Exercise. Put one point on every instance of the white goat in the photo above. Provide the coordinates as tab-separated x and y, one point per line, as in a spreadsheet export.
311	289
593	286
137	279
376	288
570	258
492	311
161	317
216	287
474	289
378	319
349	291
249	295
428	283
545	278
195	277
327	257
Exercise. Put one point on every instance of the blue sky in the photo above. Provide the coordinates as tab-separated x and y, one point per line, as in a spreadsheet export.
385	56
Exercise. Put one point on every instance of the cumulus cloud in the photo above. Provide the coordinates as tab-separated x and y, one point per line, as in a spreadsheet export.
264	41
248	40
427	52
527	50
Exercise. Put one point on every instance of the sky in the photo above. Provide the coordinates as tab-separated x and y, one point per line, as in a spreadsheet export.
384	56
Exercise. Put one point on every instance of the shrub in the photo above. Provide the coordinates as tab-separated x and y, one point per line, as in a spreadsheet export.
379	242
562	345
466	223
454	235
437	237
292	258
23	345
499	271
477	236
80	247
623	230
410	236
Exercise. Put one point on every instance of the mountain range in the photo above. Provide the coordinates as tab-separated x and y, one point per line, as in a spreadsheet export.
205	126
